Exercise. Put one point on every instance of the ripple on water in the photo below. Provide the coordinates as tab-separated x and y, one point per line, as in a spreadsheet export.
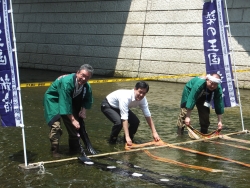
163	101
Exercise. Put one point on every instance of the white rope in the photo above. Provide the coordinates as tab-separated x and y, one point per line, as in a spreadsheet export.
42	169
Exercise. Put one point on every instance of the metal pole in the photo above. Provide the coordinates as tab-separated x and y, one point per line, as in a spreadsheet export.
19	88
233	60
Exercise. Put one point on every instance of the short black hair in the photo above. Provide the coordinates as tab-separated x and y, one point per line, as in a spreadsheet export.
142	85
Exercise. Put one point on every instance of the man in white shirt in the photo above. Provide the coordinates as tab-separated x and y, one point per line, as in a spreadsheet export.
116	107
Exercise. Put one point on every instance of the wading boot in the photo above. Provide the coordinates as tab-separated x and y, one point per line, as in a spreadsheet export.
55	150
204	130
74	146
180	131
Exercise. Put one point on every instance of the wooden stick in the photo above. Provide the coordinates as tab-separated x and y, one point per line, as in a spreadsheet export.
236	146
225	137
134	150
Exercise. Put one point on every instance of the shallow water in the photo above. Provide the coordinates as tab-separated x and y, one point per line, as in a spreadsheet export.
163	101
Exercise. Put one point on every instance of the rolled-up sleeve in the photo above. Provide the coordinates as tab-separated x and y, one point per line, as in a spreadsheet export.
123	106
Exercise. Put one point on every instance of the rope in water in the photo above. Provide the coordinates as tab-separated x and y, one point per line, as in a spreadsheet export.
180	163
210	155
192	151
128	151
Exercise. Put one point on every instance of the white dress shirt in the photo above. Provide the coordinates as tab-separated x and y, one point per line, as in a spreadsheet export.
124	99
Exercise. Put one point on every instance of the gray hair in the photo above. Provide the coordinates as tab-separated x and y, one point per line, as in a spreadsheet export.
88	68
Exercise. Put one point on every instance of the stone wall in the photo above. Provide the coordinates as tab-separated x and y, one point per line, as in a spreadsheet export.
125	38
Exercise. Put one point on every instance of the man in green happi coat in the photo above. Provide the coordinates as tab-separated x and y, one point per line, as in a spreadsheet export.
199	92
67	98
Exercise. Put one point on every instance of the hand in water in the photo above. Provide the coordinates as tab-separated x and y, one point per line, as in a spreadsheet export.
129	141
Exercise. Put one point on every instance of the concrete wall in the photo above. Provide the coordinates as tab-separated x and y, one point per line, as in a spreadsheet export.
124	38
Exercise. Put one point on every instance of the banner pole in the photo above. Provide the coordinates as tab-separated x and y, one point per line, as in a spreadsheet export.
24	147
18	79
234	66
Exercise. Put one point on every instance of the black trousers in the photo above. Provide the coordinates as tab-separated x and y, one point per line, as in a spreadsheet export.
113	114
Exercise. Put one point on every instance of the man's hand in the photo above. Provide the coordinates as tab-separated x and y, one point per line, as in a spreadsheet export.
76	124
156	136
187	121
129	141
82	113
219	121
219	125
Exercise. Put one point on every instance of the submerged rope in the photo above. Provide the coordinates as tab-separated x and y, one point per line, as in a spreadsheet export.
192	151
31	165
211	155
180	163
42	169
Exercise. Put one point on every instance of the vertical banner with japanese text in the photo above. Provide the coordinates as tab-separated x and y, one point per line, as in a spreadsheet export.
216	49
9	94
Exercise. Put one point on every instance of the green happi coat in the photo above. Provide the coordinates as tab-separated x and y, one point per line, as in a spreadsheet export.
195	88
58	99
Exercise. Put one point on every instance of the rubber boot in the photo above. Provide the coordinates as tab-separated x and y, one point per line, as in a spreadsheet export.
180	131
204	130
74	145
55	150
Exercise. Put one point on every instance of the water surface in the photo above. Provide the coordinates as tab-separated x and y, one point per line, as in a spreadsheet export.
163	101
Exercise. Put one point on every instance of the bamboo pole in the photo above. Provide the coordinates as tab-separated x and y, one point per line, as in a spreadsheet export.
232	145
225	137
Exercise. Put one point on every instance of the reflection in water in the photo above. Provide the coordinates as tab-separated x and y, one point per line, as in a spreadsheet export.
164	99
